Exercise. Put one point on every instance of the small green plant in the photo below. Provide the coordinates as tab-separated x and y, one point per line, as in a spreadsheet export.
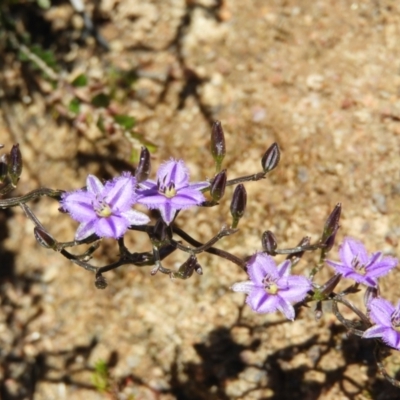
101	376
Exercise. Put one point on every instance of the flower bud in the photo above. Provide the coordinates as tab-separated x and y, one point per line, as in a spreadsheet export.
270	159
15	164
326	289
238	204
186	269
217	143
217	188
100	282
269	243
144	167
43	238
332	222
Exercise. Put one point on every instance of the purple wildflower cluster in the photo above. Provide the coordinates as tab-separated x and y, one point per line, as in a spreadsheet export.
106	210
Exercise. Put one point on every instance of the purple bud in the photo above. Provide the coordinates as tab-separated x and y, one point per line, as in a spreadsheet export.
332	222
15	165
217	143
144	167
327	288
217	188
43	238
270	159
269	243
238	204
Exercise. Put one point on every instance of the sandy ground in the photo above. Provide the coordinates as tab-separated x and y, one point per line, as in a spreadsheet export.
320	78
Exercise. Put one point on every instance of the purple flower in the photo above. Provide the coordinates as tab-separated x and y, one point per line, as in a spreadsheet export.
172	191
357	265
105	210
271	287
387	319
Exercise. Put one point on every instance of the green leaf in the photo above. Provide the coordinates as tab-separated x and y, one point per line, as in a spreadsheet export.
101	100
80	81
74	106
125	121
47	56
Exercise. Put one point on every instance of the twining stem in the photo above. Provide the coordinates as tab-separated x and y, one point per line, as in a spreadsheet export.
223	232
16	201
212	250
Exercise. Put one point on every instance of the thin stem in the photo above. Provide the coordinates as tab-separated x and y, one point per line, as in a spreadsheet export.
212	250
15	201
222	233
381	367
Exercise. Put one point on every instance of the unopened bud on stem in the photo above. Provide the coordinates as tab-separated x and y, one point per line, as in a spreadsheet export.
238	204
218	144
330	229
217	188
270	159
144	167
269	243
15	165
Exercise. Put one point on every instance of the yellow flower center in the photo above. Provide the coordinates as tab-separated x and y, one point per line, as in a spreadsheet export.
272	288
104	210
170	191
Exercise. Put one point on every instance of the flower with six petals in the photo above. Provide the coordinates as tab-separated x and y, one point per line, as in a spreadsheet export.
271	288
387	322
357	265
105	210
172	191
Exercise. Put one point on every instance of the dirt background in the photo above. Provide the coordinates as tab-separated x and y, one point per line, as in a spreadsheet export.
320	78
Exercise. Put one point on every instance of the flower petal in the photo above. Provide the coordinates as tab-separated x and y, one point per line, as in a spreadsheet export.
261	302
284	268
286	308
167	213
350	249
381	267
151	199
84	230
392	338
94	185
381	311
79	204
245	287
199	185
135	217
259	266
187	198
120	193
113	227
173	171
376	331
294	288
